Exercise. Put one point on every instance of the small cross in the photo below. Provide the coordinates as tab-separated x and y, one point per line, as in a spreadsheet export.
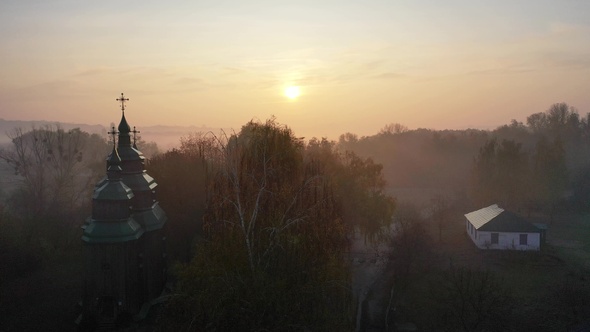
135	132
122	100
114	134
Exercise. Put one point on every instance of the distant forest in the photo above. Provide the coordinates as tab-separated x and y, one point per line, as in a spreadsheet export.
528	167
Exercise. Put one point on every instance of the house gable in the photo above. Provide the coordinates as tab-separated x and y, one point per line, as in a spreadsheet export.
495	228
495	219
509	222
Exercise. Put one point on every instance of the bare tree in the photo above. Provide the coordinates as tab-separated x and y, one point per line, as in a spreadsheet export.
56	171
393	128
261	184
271	253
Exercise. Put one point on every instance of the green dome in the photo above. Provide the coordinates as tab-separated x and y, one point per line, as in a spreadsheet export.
128	153
151	219
112	232
124	127
113	191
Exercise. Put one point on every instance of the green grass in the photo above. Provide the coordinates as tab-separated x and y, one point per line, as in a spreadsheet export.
569	238
535	280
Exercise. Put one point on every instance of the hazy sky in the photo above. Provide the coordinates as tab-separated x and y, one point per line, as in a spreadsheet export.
359	64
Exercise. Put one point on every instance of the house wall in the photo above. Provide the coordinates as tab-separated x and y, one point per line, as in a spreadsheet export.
470	231
483	240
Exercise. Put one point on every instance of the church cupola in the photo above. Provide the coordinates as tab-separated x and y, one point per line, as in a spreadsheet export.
111	219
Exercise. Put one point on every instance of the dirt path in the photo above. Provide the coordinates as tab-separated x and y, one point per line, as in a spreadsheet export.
369	266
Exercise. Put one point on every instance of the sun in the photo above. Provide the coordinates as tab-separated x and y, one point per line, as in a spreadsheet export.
292	92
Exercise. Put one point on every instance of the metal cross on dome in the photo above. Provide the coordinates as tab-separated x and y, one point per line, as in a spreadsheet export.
135	132
122	100
113	133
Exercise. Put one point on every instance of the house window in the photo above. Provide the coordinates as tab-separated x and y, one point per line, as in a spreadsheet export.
494	238
524	239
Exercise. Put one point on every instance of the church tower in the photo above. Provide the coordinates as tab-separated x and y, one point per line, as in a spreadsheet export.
124	240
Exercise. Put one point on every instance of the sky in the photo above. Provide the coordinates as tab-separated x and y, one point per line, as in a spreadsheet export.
359	65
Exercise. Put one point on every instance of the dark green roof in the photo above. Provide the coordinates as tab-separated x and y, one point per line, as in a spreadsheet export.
113	158
151	219
113	191
128	153
508	222
124	127
112	231
140	181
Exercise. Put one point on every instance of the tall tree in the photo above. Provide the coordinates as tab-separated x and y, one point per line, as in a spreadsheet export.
57	169
500	174
274	237
182	183
365	205
550	174
560	120
483	185
512	174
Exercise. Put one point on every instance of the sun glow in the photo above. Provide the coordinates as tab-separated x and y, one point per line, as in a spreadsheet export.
292	92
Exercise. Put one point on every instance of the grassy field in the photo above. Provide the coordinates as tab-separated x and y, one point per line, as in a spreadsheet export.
569	238
550	290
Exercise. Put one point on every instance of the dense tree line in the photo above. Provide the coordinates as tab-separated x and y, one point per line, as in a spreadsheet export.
504	173
532	166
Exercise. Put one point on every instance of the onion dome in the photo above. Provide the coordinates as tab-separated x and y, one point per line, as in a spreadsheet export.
111	220
124	126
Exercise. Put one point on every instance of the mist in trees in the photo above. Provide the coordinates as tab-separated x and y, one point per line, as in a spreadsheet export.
261	221
534	167
52	173
260	217
56	170
500	174
181	178
275	228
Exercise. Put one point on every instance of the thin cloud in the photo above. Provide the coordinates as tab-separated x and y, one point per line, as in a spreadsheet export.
188	81
502	70
232	71
566	60
388	76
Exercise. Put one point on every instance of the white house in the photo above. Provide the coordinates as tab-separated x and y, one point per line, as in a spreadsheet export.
495	228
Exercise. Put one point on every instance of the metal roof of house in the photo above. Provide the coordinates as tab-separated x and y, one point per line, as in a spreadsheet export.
482	216
495	219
